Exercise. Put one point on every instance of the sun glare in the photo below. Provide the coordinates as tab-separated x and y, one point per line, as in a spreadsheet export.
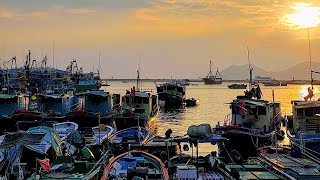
305	15
304	91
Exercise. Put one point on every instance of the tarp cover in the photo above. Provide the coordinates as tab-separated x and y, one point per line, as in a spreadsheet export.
51	138
20	138
75	138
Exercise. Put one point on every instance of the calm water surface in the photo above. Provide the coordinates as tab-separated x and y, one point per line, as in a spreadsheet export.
213	105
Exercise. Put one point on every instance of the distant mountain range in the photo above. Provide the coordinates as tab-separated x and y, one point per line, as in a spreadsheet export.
299	71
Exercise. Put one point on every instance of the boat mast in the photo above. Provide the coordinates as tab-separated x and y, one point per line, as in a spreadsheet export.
53	54
310	58
138	77
250	69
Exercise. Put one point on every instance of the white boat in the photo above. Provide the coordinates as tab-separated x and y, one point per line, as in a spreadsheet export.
263	79
65	128
101	132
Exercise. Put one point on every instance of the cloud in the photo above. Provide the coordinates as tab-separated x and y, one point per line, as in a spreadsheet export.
6	13
143	14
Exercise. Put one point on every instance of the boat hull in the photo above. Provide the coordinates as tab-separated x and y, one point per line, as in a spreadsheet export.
243	142
84	88
237	86
171	100
121	122
211	81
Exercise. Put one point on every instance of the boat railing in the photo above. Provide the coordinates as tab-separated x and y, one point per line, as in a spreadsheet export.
227	120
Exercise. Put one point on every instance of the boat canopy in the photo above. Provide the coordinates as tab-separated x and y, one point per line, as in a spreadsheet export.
305	104
51	139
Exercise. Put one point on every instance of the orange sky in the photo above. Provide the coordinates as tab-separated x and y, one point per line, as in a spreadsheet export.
173	38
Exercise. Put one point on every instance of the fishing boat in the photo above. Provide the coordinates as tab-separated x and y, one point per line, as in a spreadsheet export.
65	128
120	140
102	132
251	124
292	162
9	103
135	164
186	166
272	83
211	78
139	108
237	86
191	102
304	128
252	121
254	168
171	94
81	81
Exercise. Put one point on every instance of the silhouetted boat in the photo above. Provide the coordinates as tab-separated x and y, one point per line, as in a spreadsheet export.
237	86
212	79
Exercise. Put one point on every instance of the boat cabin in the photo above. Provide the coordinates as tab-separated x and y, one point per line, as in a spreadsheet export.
98	101
58	103
172	89
306	116
12	102
140	103
254	113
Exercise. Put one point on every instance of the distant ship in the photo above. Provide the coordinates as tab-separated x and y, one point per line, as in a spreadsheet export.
213	79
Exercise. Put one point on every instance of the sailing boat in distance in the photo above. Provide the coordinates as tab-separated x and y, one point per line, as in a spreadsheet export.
211	78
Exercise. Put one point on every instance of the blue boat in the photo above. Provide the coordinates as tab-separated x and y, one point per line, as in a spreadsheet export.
305	126
121	140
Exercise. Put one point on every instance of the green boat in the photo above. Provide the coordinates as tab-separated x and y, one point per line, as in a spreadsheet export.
65	167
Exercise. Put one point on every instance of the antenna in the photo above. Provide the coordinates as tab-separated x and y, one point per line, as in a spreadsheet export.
53	54
138	77
99	60
250	69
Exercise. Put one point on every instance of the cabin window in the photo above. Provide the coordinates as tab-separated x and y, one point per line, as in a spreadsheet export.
262	110
138	100
299	112
308	112
180	89
146	100
171	88
252	111
316	111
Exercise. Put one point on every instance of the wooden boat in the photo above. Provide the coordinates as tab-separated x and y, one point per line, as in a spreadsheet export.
254	168
65	167
293	162
102	132
185	166
305	125
212	79
120	140
135	164
172	94
65	128
237	86
251	125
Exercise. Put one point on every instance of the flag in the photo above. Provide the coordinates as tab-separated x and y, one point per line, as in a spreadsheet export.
243	110
133	92
44	164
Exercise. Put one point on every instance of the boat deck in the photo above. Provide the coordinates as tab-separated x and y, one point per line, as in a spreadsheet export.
303	167
252	171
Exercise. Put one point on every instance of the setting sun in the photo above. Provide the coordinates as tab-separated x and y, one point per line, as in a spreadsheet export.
305	15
